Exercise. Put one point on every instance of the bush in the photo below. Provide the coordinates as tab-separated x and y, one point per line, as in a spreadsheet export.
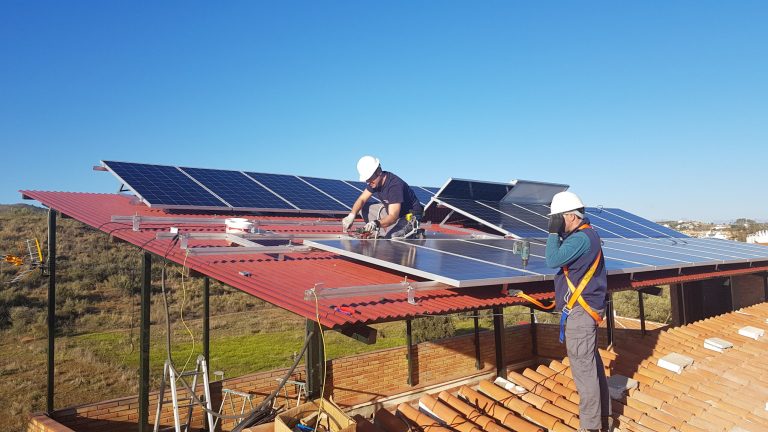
431	328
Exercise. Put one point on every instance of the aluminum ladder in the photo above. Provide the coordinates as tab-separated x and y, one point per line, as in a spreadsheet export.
170	376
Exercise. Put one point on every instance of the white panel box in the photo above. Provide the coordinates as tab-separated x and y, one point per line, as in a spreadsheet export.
510	386
717	344
752	332
675	362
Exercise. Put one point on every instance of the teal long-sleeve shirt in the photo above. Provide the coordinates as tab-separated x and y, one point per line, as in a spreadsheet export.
559	253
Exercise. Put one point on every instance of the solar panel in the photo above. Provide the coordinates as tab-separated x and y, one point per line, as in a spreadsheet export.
475	262
523	214
422	194
163	186
238	190
171	187
338	189
298	192
472	189
652	229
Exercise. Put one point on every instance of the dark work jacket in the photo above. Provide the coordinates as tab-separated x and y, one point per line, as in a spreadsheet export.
596	289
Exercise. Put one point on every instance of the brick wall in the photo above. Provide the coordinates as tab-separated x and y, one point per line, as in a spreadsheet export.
748	290
350	380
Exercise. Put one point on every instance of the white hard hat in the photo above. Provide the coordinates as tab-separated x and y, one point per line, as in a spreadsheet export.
366	167
564	202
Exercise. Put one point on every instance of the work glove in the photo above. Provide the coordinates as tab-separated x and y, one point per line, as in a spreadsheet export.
372	226
346	223
556	223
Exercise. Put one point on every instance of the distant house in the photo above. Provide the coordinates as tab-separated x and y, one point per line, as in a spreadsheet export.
758	237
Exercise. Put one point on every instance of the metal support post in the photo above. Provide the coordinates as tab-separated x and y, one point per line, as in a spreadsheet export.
534	338
207	320
641	305
609	314
409	349
51	306
765	286
733	298
478	362
314	360
146	289
499	339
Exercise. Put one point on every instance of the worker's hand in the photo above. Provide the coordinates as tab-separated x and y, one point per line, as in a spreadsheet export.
346	223
556	223
372	226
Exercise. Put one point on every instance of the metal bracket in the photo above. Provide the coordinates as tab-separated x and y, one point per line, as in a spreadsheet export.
137	220
244	246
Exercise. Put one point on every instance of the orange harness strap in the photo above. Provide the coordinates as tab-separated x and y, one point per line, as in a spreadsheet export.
577	290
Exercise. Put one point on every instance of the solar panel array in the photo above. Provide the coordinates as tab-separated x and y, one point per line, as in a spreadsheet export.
482	202
476	262
171	187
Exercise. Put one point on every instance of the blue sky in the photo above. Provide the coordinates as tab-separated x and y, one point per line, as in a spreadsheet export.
660	108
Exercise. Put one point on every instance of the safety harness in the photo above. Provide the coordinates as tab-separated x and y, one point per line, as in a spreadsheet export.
576	292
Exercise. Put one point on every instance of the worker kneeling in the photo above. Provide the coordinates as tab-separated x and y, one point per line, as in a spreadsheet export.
580	295
399	211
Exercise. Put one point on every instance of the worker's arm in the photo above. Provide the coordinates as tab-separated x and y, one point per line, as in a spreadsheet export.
346	223
361	200
393	213
560	254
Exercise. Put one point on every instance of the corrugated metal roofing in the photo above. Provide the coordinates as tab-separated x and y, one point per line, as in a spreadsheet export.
283	283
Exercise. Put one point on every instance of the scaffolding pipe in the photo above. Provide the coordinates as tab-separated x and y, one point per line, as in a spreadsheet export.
146	289
499	337
51	307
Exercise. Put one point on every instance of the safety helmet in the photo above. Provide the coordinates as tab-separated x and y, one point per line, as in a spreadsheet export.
366	167
564	202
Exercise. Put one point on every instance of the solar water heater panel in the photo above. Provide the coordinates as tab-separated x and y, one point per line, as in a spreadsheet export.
163	186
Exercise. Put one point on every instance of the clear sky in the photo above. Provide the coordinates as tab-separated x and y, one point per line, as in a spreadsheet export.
657	107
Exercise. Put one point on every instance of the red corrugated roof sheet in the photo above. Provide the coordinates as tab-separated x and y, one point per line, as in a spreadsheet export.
283	283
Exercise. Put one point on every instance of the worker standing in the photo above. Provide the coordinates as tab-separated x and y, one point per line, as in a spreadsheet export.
580	293
390	217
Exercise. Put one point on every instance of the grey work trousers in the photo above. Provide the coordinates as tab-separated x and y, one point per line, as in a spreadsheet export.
587	368
375	211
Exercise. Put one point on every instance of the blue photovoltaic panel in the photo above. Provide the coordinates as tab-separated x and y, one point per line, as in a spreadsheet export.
335	188
237	189
424	261
652	229
472	262
298	193
422	195
163	186
490	214
476	190
432	190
